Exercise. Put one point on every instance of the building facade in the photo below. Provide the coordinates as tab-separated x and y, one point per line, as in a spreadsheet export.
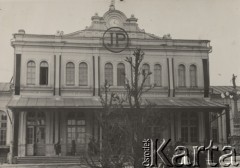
58	80
5	121
233	122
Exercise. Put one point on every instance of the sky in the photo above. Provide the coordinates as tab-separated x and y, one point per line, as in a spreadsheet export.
214	20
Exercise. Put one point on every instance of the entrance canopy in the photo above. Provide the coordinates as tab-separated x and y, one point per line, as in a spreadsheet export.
94	102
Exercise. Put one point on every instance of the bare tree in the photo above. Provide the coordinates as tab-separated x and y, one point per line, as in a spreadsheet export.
143	113
125	120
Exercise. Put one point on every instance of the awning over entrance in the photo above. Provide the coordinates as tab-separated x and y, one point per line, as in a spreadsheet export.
94	102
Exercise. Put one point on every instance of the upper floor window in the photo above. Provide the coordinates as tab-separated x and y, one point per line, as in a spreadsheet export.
70	73
83	74
158	75
3	128
43	73
146	70
181	76
31	73
193	76
120	74
189	127
109	73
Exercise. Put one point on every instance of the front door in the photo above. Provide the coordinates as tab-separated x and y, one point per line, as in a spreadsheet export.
36	134
76	134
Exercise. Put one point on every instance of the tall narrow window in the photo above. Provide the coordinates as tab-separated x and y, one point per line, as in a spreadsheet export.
31	73
70	73
193	76
120	74
3	128
145	71
181	76
44	73
109	73
189	127
158	75
83	74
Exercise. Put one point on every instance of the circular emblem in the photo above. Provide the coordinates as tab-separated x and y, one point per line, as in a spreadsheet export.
115	39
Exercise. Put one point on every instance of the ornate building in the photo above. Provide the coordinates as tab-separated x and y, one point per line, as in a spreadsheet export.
58	79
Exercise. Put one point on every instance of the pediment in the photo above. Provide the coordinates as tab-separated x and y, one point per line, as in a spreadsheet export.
112	18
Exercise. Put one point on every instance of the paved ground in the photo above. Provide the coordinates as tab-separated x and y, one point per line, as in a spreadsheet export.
62	165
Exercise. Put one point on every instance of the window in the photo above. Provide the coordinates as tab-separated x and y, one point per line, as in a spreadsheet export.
189	127
145	71
3	128
83	74
44	73
193	76
70	73
109	73
120	74
158	75
181	76
31	72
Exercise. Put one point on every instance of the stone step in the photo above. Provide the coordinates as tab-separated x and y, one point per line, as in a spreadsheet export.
44	159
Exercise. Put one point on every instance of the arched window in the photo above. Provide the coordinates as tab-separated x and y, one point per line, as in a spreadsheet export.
83	74
181	76
31	73
120	74
109	73
158	75
3	128
146	70
70	73
43	73
193	76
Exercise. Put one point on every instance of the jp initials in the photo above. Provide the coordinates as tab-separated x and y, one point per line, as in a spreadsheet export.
115	39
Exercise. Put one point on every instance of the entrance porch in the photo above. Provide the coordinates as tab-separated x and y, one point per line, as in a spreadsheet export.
69	123
51	132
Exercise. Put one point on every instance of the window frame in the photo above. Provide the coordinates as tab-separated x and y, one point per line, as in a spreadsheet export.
189	125
84	76
148	80
31	73
120	76
108	73
182	76
70	74
3	128
156	75
194	77
45	69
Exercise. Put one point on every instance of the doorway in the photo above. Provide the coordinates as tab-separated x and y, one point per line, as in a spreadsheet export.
76	133
36	133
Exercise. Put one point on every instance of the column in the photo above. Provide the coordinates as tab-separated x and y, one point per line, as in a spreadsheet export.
173	138
22	136
224	127
57	74
201	128
49	134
